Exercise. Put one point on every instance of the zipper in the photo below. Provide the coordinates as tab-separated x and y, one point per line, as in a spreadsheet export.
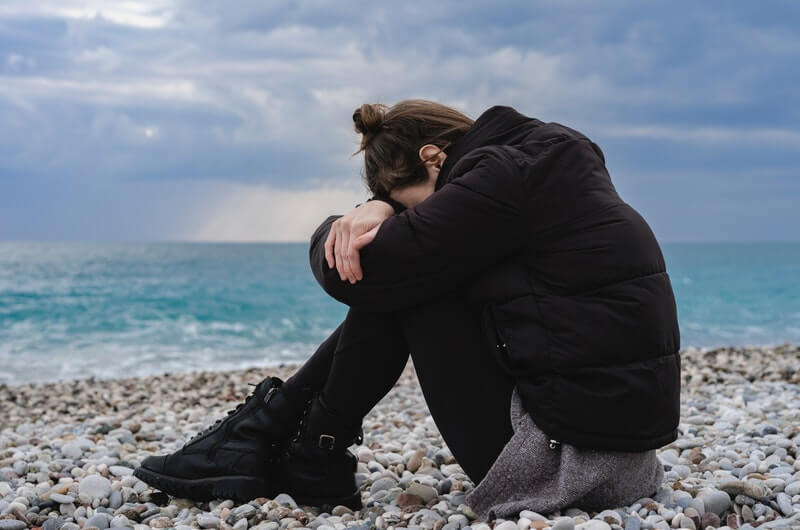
500	344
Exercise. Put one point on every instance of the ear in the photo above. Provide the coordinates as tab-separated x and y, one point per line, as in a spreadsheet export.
433	155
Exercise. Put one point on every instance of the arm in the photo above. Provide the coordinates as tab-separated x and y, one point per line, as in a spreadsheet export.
468	225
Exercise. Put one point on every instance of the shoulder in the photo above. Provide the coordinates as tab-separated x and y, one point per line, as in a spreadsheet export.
487	158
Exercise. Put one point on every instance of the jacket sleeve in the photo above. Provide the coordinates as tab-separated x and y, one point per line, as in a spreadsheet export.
471	223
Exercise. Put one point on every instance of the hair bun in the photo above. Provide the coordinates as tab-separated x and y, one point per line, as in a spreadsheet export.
368	118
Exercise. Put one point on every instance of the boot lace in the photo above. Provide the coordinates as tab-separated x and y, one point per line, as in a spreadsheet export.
217	424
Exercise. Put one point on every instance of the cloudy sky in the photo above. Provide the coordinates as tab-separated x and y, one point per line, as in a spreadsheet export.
204	120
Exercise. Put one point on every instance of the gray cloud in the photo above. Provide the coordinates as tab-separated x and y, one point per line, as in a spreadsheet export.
190	95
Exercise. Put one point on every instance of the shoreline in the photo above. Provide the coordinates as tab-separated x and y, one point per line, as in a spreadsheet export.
281	366
736	462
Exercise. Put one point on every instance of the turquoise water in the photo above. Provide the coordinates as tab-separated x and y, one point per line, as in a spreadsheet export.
111	310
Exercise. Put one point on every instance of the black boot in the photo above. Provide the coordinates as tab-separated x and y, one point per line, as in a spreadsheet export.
235	458
318	469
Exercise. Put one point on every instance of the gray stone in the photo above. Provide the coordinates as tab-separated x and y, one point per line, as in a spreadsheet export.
115	500
633	523
53	523
207	521
120	471
286	499
609	516
784	504
792	489
383	483
426	493
744	499
242	512
716	501
747	514
533	516
61	499
71	450
99	520
95	486
755	489
121	520
506	525
698	505
593	524
12	524
564	523
341	510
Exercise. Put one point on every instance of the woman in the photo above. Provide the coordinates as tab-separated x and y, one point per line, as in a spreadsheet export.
497	253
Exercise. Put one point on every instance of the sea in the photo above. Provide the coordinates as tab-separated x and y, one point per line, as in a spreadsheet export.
109	310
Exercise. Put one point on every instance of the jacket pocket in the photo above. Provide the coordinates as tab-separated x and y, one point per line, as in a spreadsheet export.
495	339
519	339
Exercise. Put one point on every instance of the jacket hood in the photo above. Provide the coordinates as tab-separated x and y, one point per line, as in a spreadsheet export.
496	126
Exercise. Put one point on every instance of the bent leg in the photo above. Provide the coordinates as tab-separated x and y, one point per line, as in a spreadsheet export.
357	365
468	394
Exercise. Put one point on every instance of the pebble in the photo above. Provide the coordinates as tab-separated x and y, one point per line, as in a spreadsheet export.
100	521
710	519
62	499
208	521
12	524
755	490
115	500
792	489
735	455
747	514
594	524
381	484
426	493
242	512
53	523
286	499
120	471
784	504
95	486
563	523
632	523
716	501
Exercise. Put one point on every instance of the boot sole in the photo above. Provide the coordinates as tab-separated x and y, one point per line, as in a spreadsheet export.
236	487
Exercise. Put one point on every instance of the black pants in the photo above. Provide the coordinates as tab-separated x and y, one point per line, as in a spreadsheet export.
467	393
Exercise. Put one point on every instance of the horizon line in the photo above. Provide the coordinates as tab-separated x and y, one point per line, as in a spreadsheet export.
300	241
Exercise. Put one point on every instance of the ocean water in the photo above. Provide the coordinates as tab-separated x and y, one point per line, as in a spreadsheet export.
71	310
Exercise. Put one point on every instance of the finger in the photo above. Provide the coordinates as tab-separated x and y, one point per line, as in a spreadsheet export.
353	257
346	268
356	244
329	245
337	251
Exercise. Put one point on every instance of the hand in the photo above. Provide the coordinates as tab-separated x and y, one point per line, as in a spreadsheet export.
351	233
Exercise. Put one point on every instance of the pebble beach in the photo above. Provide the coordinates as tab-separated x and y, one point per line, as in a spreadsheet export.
68	449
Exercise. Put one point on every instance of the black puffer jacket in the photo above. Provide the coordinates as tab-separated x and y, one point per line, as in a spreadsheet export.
575	298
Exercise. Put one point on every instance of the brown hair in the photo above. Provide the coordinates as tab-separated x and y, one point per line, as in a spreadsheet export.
392	136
